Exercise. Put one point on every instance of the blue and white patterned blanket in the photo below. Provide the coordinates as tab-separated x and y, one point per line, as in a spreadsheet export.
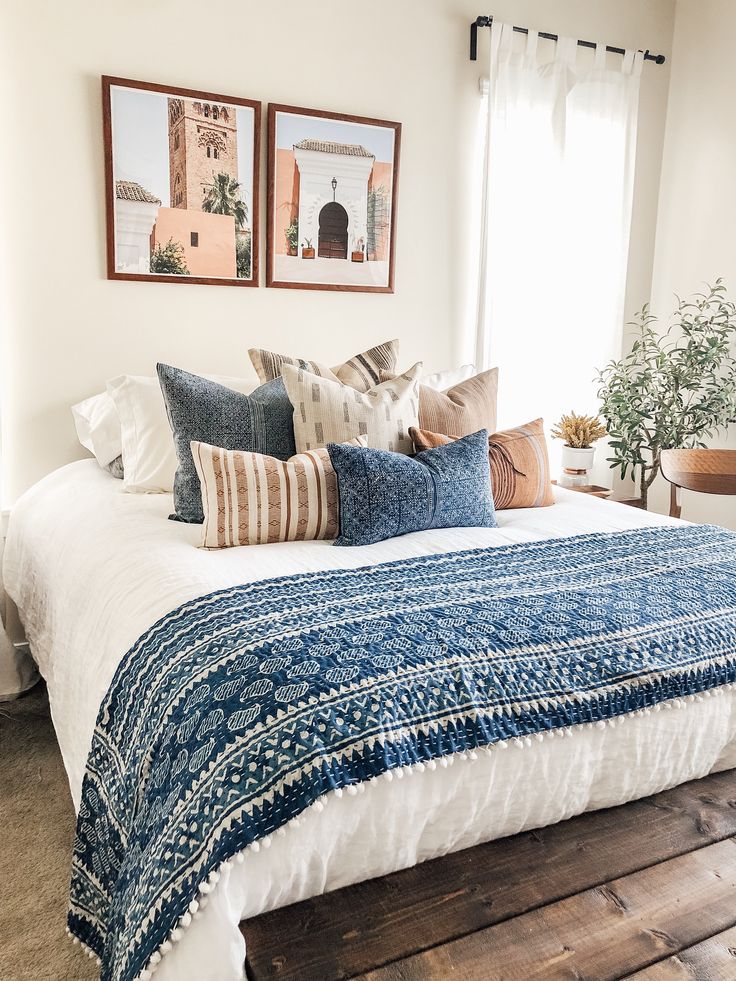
239	710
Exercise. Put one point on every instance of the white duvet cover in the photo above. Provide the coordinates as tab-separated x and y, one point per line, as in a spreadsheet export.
91	568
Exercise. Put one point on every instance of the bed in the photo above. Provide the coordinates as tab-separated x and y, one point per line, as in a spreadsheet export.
92	568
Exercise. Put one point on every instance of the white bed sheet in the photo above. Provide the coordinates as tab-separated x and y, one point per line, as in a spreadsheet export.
91	568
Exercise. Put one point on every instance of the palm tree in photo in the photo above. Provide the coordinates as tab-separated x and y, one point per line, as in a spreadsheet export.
222	197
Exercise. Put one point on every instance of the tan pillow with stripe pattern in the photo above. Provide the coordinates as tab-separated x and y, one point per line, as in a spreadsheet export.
360	372
463	409
519	464
252	499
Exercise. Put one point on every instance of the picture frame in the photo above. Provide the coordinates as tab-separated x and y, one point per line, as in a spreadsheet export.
332	200
200	153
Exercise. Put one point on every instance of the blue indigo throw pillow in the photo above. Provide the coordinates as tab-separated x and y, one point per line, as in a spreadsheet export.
387	494
202	410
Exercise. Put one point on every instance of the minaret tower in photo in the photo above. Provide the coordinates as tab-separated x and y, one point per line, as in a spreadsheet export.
203	141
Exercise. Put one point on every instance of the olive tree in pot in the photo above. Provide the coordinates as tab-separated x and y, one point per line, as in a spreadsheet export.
673	389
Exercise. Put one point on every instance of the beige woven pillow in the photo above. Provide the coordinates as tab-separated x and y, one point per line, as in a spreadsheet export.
361	372
252	499
328	412
463	409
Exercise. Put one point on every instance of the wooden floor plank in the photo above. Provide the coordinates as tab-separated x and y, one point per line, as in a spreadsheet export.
603	933
350	931
712	960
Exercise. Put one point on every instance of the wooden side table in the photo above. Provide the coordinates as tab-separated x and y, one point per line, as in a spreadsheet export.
604	493
594	489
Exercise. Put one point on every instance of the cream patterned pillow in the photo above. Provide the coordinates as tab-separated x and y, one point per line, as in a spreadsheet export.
328	412
361	372
252	499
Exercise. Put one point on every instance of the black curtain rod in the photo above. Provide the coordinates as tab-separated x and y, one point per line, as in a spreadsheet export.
487	21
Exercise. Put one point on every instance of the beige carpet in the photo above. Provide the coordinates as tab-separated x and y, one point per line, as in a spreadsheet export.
36	834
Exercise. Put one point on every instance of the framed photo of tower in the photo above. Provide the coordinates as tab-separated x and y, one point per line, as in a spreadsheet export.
332	184
181	181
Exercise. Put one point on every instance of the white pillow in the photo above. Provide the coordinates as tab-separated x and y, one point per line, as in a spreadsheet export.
442	380
98	427
149	457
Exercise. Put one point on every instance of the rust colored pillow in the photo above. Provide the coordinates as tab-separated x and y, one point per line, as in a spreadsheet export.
519	464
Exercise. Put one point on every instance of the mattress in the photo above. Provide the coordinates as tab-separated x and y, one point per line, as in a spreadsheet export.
92	568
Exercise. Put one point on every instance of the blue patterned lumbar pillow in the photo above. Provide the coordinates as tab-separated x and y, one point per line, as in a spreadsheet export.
206	412
387	494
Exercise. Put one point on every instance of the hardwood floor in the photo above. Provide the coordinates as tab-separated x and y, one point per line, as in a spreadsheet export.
645	891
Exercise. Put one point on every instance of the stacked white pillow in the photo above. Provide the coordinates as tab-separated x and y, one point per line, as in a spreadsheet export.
442	380
98	427
130	419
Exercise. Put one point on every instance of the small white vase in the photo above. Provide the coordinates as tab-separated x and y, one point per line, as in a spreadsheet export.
576	465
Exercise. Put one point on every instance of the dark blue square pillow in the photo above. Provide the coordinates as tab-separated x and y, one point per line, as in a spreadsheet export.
387	494
202	410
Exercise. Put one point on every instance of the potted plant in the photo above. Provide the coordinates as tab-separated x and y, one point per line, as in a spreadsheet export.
357	254
674	389
292	237
307	250
579	433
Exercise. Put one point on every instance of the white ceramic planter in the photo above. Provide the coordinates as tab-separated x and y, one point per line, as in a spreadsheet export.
576	465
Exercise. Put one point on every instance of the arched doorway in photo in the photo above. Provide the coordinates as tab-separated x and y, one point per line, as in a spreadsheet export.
333	232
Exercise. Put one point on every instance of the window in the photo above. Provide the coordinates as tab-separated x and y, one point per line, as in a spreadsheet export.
176	141
207	111
209	150
194	239
215	152
558	182
215	112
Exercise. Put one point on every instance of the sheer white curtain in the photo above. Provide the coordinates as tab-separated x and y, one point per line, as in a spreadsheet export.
558	182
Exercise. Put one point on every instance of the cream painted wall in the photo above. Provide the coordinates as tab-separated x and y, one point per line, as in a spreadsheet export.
67	328
696	231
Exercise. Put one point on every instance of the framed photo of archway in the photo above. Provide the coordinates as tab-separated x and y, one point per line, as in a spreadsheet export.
332	185
181	181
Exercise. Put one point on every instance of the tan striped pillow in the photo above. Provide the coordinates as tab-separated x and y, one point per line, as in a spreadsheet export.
252	499
463	409
360	372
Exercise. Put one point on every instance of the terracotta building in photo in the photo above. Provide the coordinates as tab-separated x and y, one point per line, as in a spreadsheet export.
202	143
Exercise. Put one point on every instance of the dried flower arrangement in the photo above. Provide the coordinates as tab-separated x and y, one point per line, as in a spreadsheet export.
580	432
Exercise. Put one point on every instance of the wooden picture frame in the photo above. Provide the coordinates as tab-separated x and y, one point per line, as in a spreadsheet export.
328	200
211	223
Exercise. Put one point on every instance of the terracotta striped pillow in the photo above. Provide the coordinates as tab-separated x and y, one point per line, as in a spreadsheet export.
520	476
252	499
